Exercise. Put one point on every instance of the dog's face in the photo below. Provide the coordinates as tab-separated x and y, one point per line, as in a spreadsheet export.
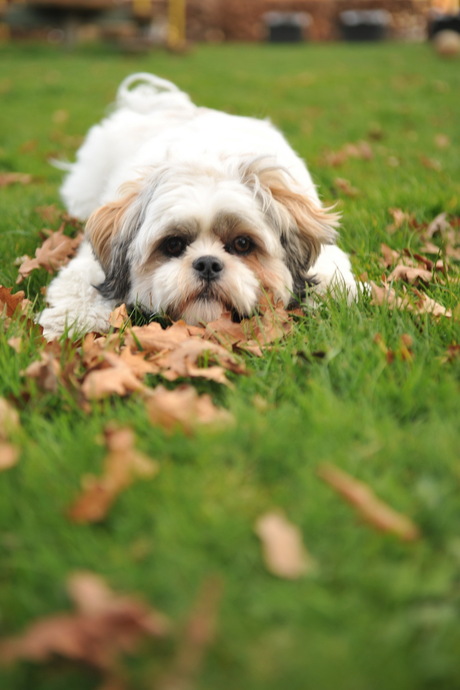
193	243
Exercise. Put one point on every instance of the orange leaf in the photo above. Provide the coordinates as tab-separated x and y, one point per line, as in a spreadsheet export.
369	507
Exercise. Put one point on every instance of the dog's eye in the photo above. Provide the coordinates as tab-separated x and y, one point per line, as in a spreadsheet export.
174	246
242	245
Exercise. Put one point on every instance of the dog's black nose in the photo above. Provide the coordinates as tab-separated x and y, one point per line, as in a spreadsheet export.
208	267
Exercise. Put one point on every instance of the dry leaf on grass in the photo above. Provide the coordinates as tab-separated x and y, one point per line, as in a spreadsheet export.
9	455
104	626
184	408
115	378
374	511
345	187
9	302
183	361
283	550
9	178
46	371
119	317
419	304
410	274
362	150
55	252
123	465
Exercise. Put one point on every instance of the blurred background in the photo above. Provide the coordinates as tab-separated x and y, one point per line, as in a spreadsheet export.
141	25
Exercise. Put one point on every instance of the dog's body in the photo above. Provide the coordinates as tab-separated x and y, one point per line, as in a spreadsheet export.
192	212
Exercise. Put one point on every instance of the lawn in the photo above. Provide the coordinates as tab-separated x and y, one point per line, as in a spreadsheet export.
371	390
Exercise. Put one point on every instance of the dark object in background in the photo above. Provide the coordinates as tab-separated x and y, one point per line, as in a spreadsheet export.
443	22
286	27
364	25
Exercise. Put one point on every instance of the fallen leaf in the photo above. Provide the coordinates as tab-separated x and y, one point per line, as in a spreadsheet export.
453	352
374	511
346	187
410	274
55	252
431	163
103	626
119	317
442	141
116	378
9	302
400	218
183	361
283	550
122	465
420	304
362	150
184	408
46	371
9	178
390	256
9	455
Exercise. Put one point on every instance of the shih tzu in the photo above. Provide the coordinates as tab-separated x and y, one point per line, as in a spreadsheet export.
190	212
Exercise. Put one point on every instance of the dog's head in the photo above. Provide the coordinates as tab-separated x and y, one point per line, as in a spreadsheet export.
194	242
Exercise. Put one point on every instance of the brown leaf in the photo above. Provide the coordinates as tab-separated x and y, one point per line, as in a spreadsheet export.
103	626
422	304
9	303
183	361
390	256
9	455
116	378
284	553
346	187
122	465
410	274
400	218
374	511
153	338
119	317
453	352
46	371
184	408
9	178
362	150
55	252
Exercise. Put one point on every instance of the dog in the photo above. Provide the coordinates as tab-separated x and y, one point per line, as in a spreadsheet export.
190	213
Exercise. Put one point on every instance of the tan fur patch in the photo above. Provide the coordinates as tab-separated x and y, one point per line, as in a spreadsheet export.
105	223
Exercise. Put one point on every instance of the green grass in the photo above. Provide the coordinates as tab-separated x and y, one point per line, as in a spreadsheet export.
378	613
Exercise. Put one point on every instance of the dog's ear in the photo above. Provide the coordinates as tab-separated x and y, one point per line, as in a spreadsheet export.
302	225
110	230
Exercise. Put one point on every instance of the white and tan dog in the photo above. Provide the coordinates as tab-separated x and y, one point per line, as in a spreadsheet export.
191	212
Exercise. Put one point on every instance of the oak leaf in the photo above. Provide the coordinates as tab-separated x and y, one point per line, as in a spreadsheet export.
55	252
183	407
10	303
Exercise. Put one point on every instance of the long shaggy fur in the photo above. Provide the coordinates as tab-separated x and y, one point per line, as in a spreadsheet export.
190	212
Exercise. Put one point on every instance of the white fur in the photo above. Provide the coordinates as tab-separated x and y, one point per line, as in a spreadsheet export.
190	156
